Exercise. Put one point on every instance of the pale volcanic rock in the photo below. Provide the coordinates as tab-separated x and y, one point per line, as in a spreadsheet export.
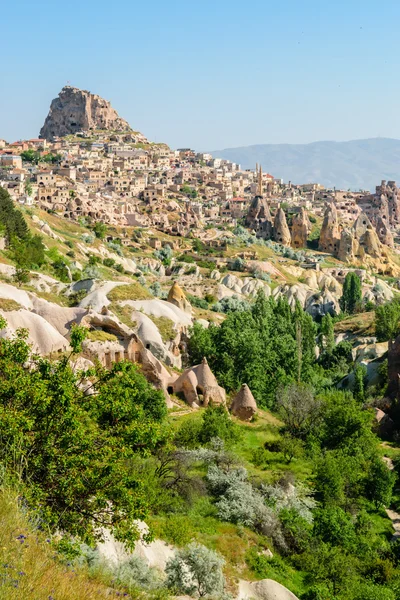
384	233
348	246
266	589
329	238
244	405
301	228
371	244
259	217
42	336
177	296
281	229
76	110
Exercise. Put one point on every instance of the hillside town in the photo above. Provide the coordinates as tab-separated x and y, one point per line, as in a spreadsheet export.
119	177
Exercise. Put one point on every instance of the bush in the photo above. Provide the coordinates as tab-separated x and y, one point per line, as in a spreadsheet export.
109	262
217	423
238	502
196	570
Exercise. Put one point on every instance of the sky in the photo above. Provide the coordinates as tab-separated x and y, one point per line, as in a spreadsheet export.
209	74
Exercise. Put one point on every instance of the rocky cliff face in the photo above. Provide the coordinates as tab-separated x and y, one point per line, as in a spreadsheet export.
78	110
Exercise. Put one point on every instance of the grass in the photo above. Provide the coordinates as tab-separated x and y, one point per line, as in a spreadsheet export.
124	314
8	304
132	291
361	324
165	326
28	569
97	335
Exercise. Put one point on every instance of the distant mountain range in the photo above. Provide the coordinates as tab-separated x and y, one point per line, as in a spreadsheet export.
357	164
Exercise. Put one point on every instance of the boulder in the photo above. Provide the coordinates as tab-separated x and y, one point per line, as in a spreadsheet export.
266	589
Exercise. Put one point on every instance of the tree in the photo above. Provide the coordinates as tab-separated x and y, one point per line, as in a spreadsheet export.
327	335
217	423
195	570
73	451
360	373
350	301
387	321
380	483
100	230
299	409
28	188
32	156
12	219
21	276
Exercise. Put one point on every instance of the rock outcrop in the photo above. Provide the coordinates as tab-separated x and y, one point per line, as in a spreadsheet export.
259	218
266	589
177	297
199	386
384	233
330	237
76	110
281	229
361	240
301	227
244	405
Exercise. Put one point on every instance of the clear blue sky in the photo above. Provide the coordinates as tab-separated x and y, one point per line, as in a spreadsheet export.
209	74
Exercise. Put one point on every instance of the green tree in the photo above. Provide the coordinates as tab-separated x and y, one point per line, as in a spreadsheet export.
100	230
217	423
387	321
74	450
327	335
350	302
360	373
379	486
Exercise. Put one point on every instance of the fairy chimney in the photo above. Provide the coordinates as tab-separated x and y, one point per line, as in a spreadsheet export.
177	297
330	236
384	233
259	218
300	229
244	405
281	229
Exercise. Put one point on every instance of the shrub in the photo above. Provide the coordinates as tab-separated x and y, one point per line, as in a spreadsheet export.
132	291
238	502
217	423
231	304
196	570
109	262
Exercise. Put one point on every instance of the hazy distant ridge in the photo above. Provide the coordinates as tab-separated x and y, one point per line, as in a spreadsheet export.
355	164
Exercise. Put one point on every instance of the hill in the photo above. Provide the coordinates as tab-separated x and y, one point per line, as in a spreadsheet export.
356	164
75	110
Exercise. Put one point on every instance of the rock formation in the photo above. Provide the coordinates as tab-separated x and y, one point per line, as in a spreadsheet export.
330	237
384	233
300	229
259	218
199	386
361	240
244	405
77	110
177	297
281	229
348	247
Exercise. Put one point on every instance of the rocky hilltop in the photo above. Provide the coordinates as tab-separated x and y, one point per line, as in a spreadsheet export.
78	110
